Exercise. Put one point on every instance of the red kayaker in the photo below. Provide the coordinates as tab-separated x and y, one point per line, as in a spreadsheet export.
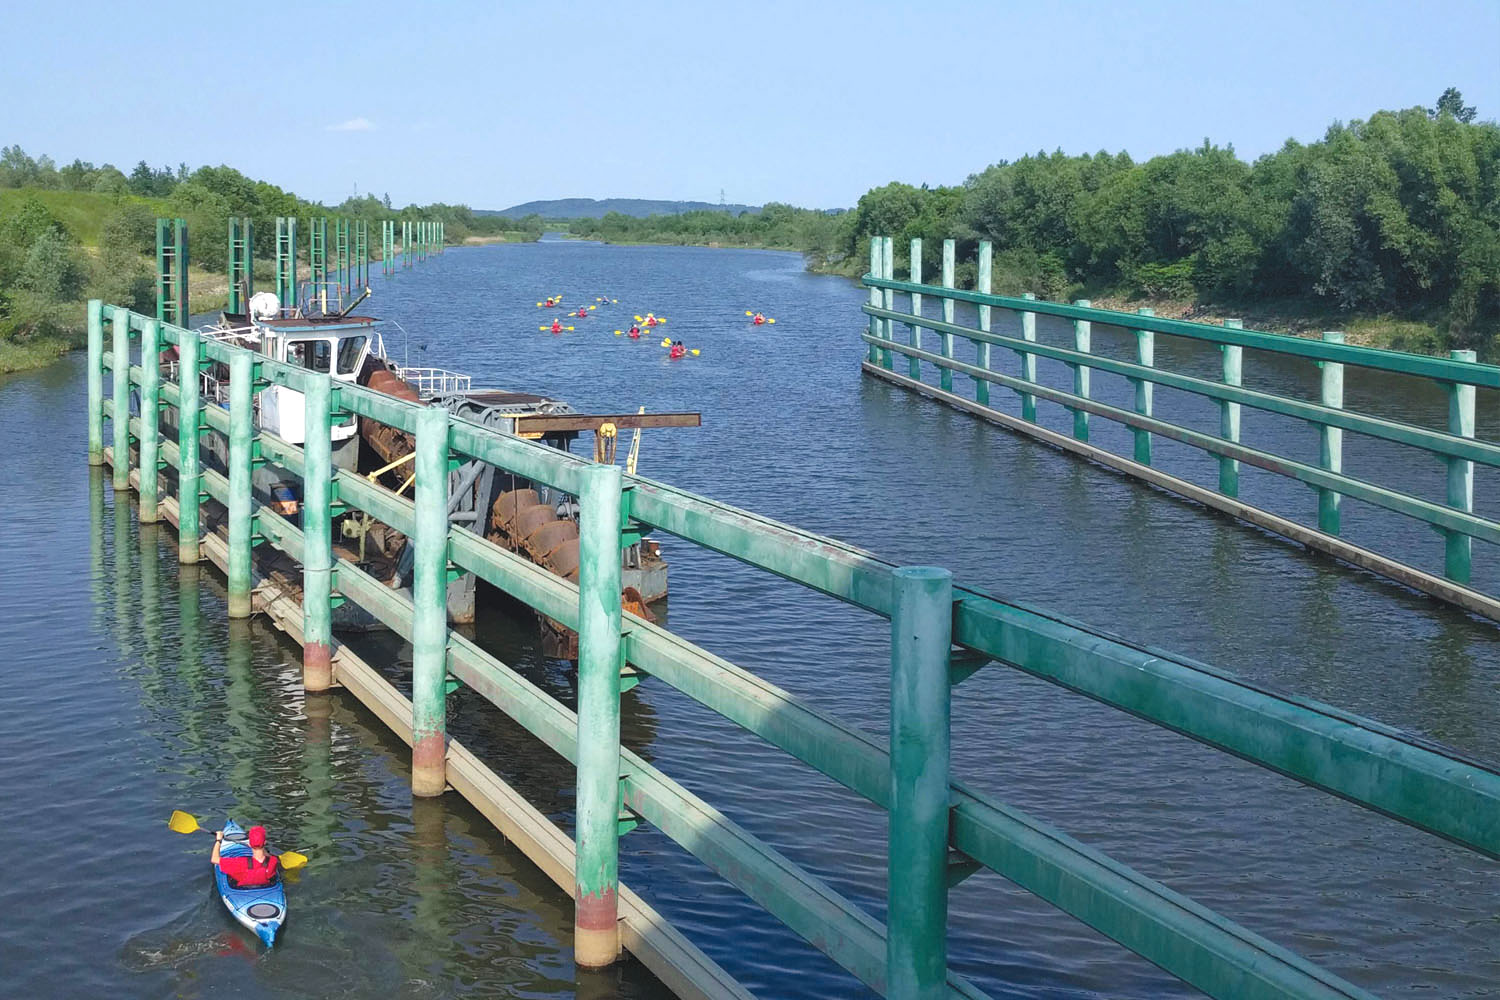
677	351
248	872
557	326
582	313
759	319
635	333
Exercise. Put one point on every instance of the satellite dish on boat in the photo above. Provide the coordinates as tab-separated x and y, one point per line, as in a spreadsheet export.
264	305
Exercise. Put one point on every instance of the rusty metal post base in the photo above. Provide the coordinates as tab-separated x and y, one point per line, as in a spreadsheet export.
596	934
317	666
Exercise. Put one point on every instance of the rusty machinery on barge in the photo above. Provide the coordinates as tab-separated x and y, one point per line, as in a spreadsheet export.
531	519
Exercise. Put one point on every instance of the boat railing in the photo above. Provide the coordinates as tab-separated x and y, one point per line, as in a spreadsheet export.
431	382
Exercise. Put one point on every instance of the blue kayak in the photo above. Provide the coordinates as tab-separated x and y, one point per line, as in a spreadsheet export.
261	909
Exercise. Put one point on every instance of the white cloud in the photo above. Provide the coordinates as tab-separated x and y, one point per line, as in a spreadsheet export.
352	125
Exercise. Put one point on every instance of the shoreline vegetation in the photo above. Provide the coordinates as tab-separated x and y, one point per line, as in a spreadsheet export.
1387	229
71	233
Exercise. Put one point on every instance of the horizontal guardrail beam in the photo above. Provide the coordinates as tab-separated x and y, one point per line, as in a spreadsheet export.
1442	369
1438	515
1438	442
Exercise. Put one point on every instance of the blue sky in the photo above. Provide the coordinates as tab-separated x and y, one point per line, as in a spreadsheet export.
492	104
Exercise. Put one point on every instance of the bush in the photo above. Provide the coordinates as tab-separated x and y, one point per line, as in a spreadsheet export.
1173	281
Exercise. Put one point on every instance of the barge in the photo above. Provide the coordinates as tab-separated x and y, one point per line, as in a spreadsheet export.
529	518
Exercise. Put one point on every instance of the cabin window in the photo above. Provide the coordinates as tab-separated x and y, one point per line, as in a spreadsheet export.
314	354
350	350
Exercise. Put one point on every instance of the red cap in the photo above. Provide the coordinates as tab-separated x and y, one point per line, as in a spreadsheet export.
256	835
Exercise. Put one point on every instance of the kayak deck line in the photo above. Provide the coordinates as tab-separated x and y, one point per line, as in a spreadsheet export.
665	951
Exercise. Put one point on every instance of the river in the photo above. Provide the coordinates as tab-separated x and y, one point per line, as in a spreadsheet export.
128	693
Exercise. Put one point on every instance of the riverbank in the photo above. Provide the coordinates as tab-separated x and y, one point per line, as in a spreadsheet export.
1297	317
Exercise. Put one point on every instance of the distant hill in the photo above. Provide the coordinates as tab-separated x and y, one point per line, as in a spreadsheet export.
595	208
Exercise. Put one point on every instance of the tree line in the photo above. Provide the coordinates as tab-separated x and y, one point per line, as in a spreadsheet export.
79	231
1396	214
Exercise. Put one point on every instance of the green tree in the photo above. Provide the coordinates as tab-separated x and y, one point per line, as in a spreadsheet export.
1452	103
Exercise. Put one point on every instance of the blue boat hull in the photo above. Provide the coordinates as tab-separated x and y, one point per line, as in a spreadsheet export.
262	910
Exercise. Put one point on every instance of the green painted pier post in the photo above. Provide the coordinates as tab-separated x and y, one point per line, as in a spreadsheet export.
241	433
888	272
596	938
286	261
1028	362
96	381
189	456
1083	335
917	862
1458	547
1229	413
429	629
150	420
872	355
119	321
914	366
1330	439
982	285
945	377
1145	356
317	535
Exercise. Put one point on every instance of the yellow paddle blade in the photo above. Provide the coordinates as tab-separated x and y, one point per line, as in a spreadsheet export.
568	328
695	352
291	860
182	822
640	319
539	305
749	313
770	321
666	343
593	307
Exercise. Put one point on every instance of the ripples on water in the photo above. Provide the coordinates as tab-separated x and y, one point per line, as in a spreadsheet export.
431	903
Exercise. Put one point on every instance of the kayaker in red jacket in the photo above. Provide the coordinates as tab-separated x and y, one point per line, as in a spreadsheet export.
259	869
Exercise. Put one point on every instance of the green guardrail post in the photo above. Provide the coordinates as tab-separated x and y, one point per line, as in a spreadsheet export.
1330	439
596	940
1082	342
1458	547
189	459
429	634
945	376
888	271
96	381
317	535
150	420
914	366
872	354
241	432
917	862
1145	356
982	285
1028	362
1229	413
119	321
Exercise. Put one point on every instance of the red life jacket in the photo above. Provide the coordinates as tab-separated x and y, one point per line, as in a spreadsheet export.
243	871
556	327
677	352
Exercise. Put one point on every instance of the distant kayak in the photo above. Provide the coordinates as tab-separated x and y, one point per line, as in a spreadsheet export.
262	909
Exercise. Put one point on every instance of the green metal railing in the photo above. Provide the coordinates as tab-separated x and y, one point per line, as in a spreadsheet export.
939	829
1456	447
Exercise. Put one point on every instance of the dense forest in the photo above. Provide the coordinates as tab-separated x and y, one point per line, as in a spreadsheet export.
1398	215
80	231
